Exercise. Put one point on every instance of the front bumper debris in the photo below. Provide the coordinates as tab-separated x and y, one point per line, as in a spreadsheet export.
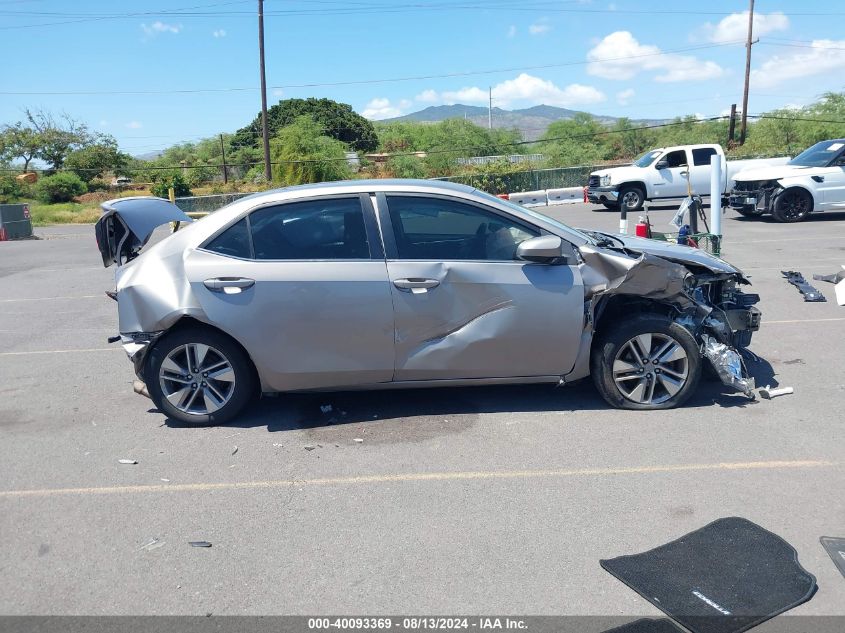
728	365
137	345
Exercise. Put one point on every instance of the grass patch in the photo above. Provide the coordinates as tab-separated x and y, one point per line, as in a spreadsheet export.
63	213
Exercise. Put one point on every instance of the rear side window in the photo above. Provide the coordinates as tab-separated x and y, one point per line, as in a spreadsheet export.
234	241
701	156
313	229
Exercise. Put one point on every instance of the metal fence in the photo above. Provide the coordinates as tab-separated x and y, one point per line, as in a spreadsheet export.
514	159
531	180
207	204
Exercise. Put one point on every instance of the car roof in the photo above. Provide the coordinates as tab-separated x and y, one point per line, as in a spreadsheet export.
364	186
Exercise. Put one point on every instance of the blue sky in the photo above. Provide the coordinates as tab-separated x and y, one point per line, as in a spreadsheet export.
634	58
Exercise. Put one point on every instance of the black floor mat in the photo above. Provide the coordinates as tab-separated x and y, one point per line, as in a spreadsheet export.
726	577
835	547
647	625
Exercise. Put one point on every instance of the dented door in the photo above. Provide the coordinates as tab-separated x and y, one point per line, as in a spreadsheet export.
464	306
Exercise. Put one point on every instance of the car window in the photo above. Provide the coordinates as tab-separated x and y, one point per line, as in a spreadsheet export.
701	156
234	241
442	229
675	159
313	229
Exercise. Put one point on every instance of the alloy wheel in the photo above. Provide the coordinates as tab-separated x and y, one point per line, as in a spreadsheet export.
197	379
650	368
794	205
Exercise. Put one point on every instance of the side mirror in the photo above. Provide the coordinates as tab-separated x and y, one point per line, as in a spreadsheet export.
546	249
662	164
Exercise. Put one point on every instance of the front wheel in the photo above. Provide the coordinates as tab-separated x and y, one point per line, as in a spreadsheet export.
792	205
646	363
199	376
631	198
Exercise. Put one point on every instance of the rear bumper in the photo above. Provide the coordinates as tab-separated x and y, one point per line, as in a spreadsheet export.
600	195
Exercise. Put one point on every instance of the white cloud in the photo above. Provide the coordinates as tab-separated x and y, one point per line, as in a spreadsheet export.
382	108
512	31
427	96
157	27
822	57
624	97
134	125
541	27
735	26
525	89
219	33
620	56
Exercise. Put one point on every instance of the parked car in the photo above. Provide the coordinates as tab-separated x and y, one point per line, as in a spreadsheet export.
812	181
406	283
660	174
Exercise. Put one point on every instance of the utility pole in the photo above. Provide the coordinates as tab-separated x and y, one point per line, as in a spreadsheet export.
732	128
223	151
490	110
264	133
742	126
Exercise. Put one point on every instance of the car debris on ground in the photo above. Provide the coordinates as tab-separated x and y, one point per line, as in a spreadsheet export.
199	543
153	544
810	293
768	392
127	461
838	279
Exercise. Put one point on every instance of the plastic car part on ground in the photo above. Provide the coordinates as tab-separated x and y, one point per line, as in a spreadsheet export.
810	293
839	280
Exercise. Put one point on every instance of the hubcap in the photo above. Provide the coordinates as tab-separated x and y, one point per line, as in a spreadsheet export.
631	199
650	368
197	379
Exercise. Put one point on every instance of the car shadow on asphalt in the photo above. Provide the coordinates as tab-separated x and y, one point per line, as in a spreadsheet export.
293	411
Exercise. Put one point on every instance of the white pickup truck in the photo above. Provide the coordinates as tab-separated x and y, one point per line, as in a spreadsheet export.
660	174
812	181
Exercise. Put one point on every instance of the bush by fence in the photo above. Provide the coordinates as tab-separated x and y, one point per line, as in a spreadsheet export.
532	180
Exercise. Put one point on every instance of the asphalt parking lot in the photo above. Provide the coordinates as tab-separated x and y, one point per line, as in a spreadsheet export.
485	500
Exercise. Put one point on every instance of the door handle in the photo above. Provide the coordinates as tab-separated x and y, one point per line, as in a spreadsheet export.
229	285
415	284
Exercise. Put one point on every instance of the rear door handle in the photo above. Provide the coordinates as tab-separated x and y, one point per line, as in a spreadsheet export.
416	285
229	285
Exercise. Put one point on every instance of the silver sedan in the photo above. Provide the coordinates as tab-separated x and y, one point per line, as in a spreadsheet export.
391	283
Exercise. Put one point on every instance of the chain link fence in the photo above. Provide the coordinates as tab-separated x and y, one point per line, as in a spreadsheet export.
208	204
532	180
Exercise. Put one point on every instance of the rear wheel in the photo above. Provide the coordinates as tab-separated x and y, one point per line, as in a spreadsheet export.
792	205
649	362
199	376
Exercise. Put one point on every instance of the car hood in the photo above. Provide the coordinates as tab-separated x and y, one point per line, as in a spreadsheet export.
773	172
127	224
685	255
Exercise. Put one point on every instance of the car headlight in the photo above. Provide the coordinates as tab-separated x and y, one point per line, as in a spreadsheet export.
605	181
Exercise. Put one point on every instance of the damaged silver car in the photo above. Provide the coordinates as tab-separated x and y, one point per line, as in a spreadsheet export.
404	283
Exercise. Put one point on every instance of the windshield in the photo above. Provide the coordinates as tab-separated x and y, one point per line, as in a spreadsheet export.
819	155
538	216
647	159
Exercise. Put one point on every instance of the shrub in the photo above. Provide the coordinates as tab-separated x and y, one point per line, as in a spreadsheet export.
10	189
406	167
61	187
180	187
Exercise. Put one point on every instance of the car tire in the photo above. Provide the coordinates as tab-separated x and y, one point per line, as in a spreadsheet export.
214	390
627	383
631	198
792	205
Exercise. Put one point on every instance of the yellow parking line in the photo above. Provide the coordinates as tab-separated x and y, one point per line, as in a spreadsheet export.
416	477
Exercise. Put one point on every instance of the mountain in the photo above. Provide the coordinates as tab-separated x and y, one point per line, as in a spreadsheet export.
531	122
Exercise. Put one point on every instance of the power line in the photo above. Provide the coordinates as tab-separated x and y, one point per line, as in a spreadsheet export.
490	71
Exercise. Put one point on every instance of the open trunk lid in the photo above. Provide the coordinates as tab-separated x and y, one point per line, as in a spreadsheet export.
127	224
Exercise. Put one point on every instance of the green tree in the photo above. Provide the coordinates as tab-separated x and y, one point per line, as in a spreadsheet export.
581	140
338	120
94	160
20	141
58	137
306	154
161	188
